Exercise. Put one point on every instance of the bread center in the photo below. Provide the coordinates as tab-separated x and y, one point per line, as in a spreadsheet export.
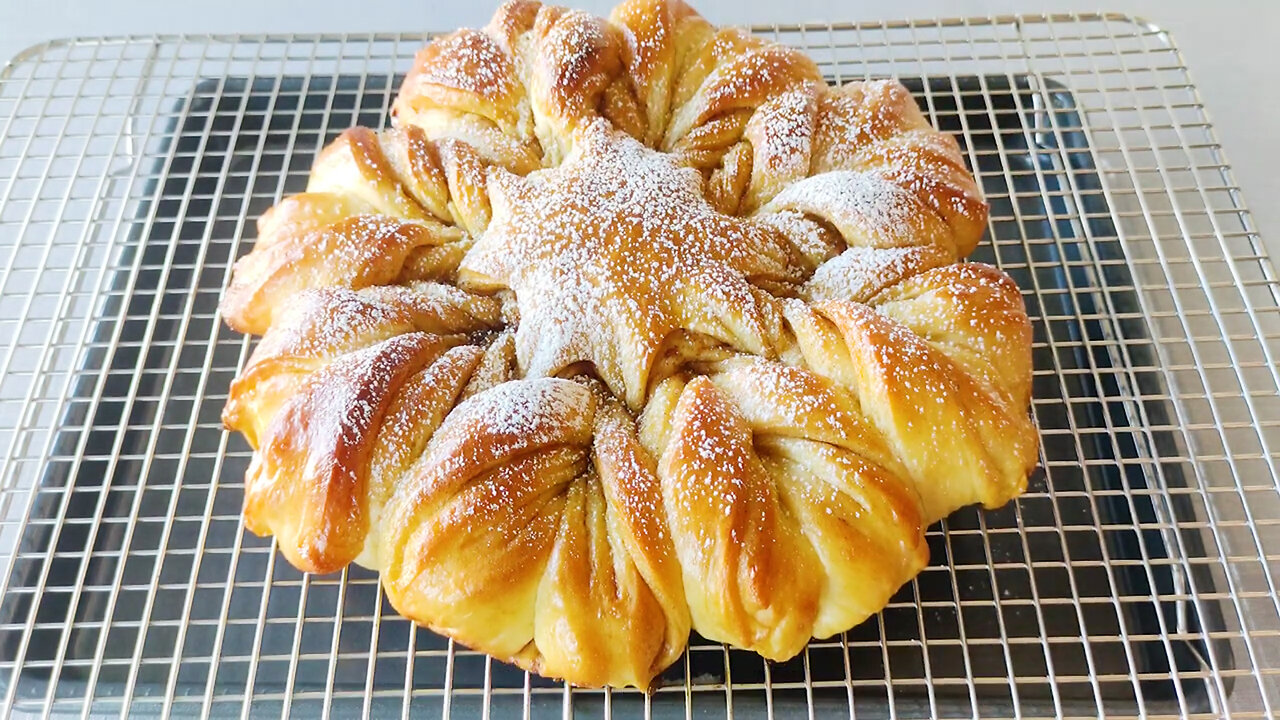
615	249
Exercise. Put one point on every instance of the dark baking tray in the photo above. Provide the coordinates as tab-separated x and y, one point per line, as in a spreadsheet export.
132	499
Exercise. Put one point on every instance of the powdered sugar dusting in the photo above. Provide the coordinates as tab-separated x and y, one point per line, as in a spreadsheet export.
969	312
511	418
709	465
815	243
781	398
927	164
324	323
611	252
498	446
632	490
361	250
419	409
352	391
571	49
859	116
866	208
470	60
747	74
859	273
320	433
781	132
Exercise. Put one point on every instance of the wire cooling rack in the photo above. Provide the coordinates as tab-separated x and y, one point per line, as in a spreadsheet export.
1137	576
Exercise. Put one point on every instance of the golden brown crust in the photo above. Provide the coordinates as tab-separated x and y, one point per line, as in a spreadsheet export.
750	577
534	525
574	59
466	69
950	403
657	36
714	368
354	164
877	126
772	481
308	481
319	326
359	251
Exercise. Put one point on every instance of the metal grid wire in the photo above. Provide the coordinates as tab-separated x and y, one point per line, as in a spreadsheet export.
1137	576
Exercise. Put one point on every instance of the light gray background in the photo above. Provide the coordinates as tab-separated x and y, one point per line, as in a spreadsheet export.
1230	46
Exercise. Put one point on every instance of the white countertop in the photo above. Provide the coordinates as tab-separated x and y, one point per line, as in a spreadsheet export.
1229	47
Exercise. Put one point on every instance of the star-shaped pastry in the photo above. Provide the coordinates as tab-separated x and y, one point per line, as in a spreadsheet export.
616	251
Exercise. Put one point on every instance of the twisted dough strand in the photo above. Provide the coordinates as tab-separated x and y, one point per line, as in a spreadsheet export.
534	513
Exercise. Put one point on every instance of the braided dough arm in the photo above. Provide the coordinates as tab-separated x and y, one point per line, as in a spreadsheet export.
379	208
660	39
467	86
859	163
336	398
518	89
308	483
528	531
876	126
790	516
941	366
322	325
